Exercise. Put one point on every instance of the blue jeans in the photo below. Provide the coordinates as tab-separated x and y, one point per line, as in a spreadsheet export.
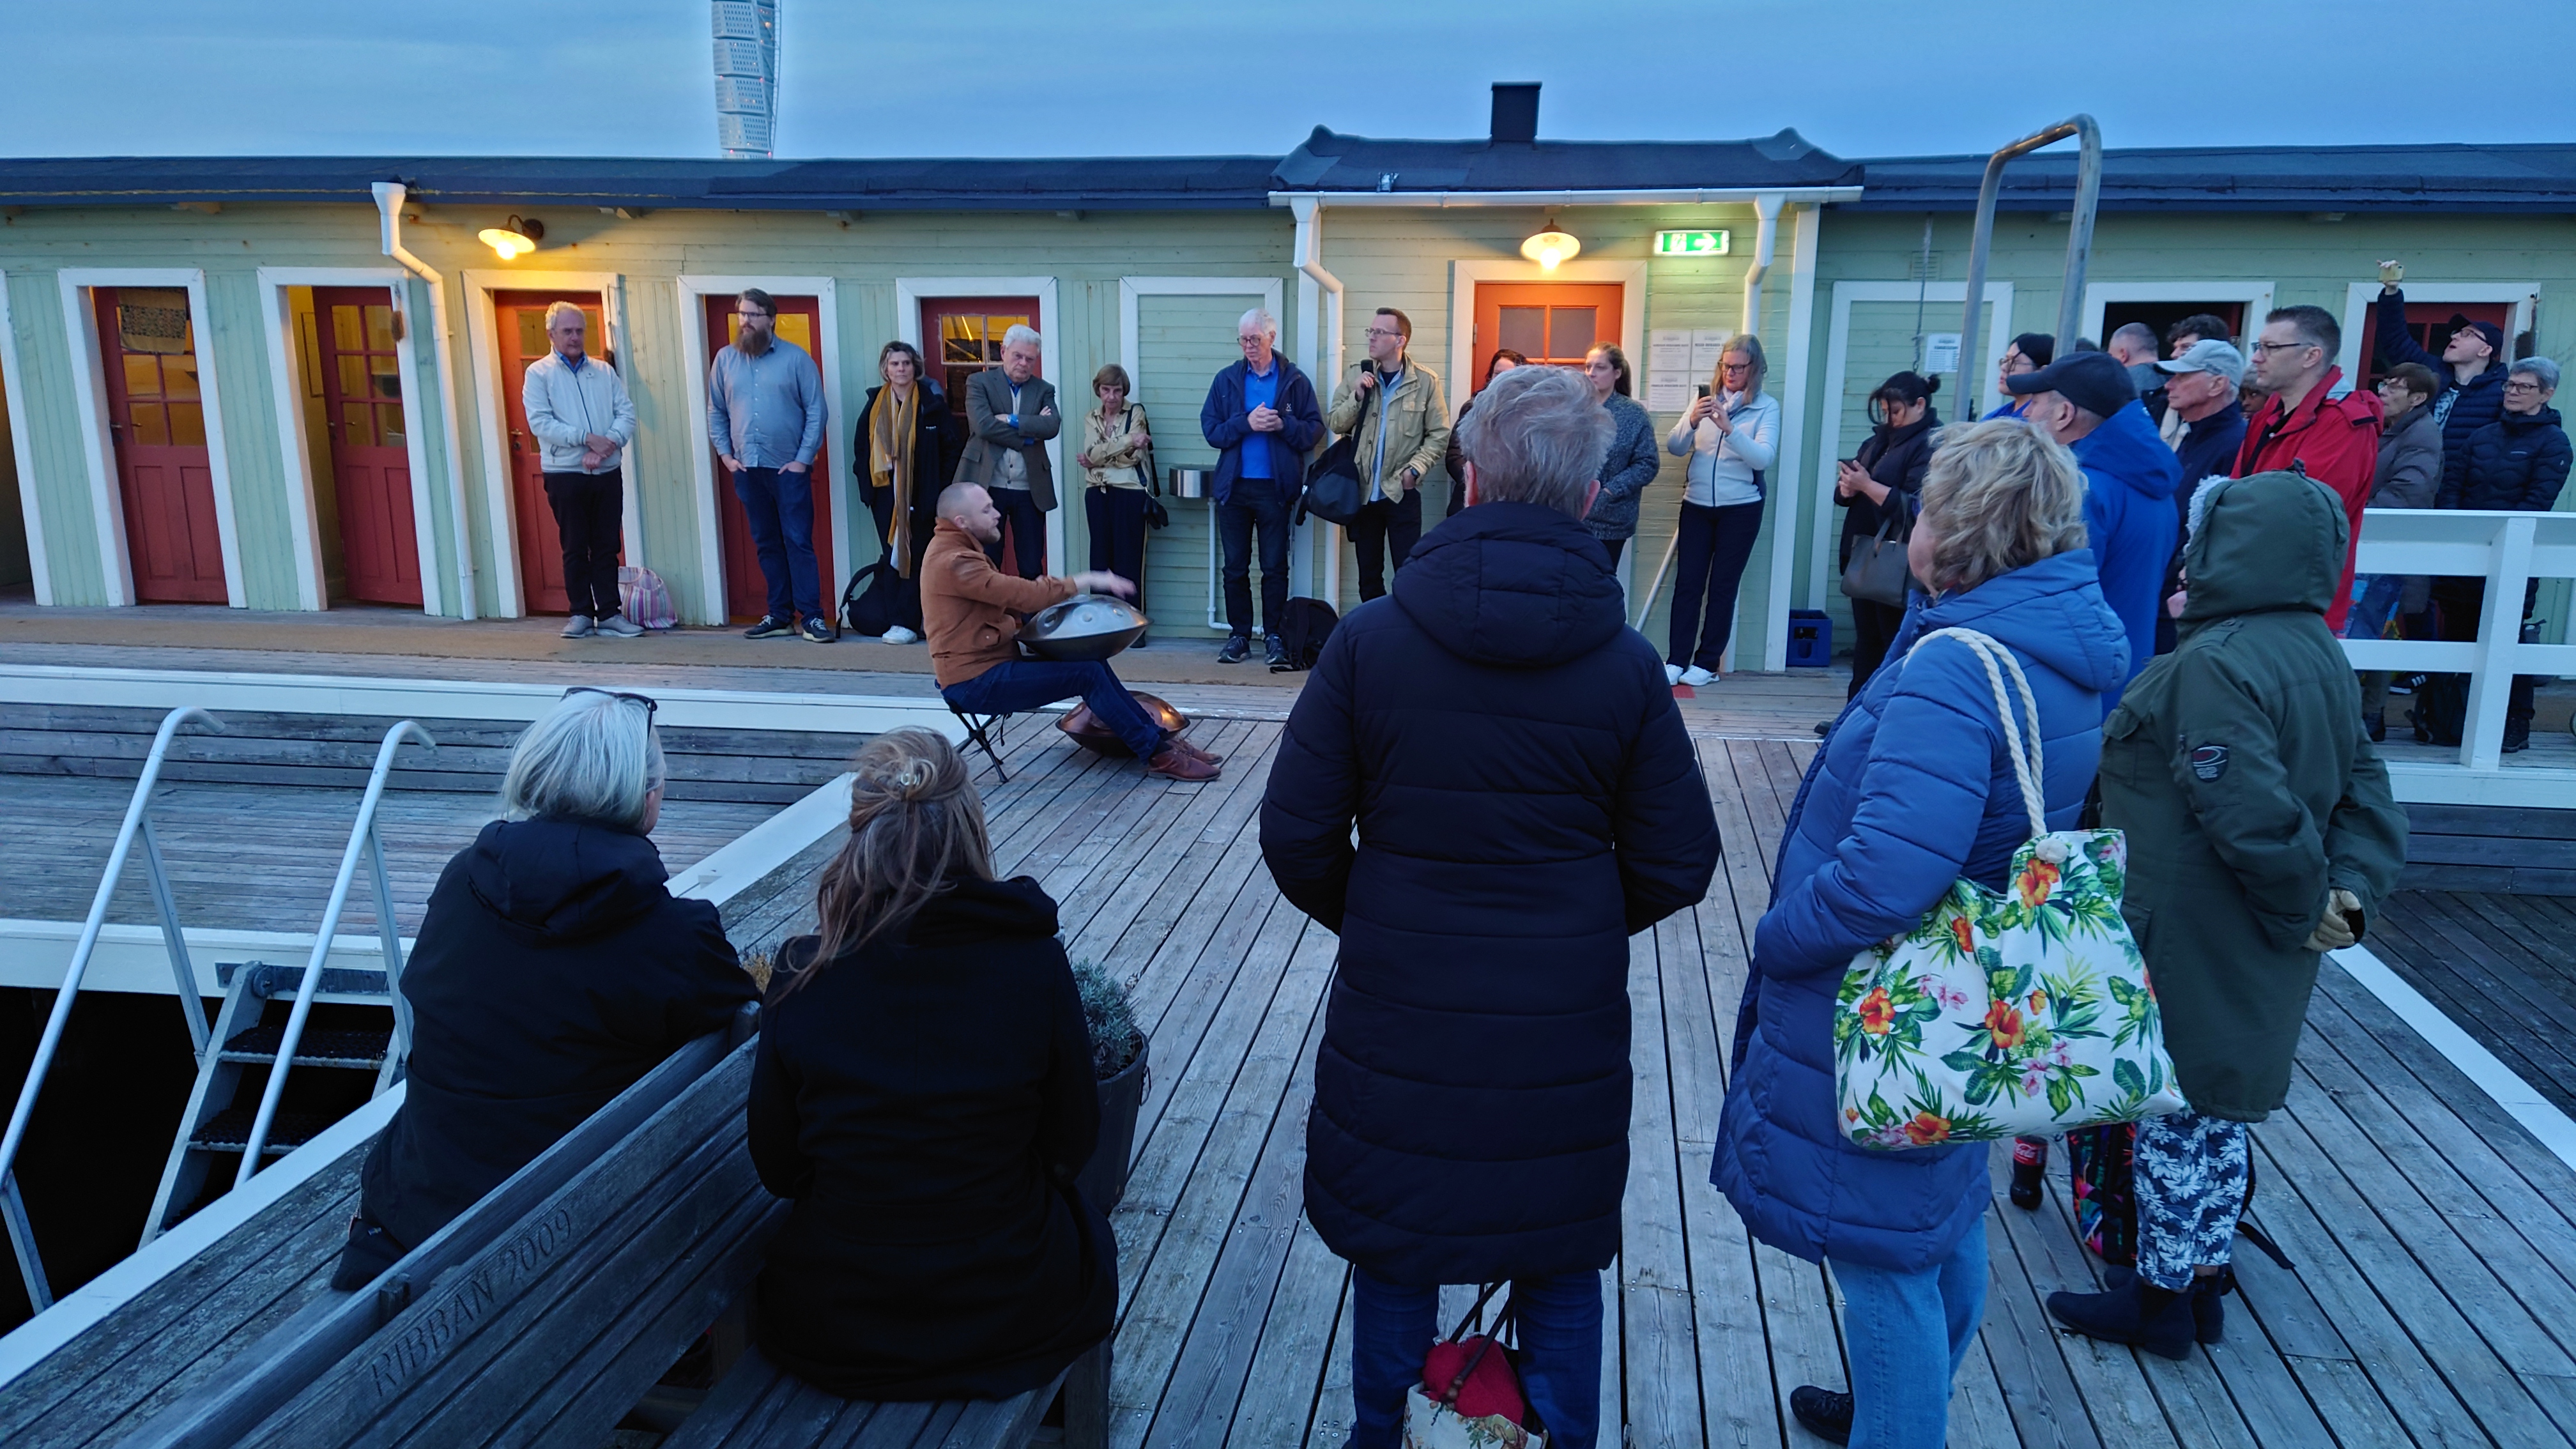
1393	1327
1713	547
1018	684
1254	505
779	506
1907	1333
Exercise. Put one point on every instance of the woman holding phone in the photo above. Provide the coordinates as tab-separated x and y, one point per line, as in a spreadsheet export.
1731	436
1879	487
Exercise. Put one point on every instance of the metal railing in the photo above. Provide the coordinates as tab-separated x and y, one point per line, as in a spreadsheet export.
364	843
138	823
2079	235
2507	550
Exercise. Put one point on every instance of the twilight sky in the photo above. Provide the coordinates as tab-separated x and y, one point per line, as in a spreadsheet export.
1007	77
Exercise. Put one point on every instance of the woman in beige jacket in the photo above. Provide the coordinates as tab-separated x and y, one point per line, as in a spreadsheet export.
1116	452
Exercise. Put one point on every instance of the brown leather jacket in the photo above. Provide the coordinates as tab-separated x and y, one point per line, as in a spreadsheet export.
969	607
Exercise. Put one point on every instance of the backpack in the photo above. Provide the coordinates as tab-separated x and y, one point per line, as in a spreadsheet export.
872	603
645	598
2441	706
1302	632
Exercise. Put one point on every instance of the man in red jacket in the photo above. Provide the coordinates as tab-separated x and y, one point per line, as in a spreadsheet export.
2335	440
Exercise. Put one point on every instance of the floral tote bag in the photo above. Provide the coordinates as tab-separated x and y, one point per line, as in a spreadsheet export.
2020	1013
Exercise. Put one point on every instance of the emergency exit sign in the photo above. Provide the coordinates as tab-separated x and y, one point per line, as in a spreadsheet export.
1690	244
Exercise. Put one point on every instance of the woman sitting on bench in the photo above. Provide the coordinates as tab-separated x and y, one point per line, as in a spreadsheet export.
923	1091
553	969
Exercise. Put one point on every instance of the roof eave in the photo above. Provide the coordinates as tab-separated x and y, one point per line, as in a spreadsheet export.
1640	196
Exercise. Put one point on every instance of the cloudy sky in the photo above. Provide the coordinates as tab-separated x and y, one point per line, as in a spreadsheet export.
1004	77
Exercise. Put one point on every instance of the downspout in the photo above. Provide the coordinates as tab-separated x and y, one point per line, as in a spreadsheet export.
389	204
1310	260
1766	237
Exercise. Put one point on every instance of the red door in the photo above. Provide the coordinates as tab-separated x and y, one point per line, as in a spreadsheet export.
962	336
2429	322
157	421
1552	322
370	467
522	325
800	320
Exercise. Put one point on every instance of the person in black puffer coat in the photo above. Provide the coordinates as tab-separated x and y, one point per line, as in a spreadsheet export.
1878	487
554	968
2518	463
2470	366
1526	799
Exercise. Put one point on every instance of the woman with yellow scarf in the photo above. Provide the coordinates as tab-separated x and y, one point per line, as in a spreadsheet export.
906	446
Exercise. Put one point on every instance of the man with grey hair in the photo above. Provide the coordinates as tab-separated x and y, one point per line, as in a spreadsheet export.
765	415
1526	799
1010	415
2134	346
1262	418
584	422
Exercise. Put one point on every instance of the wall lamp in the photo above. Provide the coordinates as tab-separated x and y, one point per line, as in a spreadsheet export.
1549	246
513	238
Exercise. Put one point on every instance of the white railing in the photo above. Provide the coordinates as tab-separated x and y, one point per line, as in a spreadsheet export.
2507	550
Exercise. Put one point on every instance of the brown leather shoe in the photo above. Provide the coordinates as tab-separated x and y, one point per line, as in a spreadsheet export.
1195	750
1173	763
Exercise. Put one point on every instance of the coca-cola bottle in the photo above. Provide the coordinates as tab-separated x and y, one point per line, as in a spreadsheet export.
2030	1169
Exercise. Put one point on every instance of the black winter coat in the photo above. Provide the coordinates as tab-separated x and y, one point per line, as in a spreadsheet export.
1895	458
937	440
553	969
2517	462
927	1104
2461	408
1527	799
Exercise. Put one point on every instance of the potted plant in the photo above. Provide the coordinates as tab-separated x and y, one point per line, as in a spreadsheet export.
1118	1053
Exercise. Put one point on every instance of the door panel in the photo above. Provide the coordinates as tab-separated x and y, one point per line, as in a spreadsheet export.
157	425
521	319
800	320
1551	322
2428	321
370	465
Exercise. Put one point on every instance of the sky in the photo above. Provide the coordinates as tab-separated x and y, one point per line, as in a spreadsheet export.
1007	78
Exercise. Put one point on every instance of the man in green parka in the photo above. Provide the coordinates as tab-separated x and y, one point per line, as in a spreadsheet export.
2261	832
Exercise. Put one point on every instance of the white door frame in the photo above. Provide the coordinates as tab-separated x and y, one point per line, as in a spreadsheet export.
839	486
1786	472
911	292
304	476
2360	297
89	399
482	340
13	394
2257	297
1131	348
1996	336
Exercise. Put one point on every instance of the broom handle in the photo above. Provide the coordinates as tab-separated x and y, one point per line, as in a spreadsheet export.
1646	601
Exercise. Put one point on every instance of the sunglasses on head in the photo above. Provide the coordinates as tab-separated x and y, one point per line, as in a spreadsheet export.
645	700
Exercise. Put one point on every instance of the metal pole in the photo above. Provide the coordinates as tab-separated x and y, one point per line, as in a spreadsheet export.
2079	233
2079	241
173	940
389	938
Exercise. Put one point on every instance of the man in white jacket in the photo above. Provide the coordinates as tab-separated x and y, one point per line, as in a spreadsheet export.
584	422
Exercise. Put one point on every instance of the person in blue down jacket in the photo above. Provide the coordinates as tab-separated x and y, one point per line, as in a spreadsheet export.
1526	799
1913	789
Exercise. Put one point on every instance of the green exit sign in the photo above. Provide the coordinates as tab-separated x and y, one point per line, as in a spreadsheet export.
1690	244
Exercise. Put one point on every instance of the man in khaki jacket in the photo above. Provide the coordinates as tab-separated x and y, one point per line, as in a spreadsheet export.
971	611
1404	435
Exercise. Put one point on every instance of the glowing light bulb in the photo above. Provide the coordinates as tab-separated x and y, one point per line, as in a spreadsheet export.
1550	246
513	238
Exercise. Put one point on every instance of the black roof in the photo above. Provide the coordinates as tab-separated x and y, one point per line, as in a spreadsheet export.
2445	178
1158	183
1331	161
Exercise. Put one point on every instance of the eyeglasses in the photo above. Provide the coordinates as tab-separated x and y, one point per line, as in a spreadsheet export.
644	700
1735	367
1381	332
2264	347
2524	387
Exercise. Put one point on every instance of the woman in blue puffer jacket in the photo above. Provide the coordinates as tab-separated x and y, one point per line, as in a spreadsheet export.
1914	788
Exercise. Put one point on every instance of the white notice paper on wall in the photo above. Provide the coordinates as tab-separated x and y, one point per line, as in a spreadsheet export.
1940	353
1706	344
1668	349
1668	391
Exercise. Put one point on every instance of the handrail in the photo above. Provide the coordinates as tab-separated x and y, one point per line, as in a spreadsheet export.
362	841
2079	236
138	821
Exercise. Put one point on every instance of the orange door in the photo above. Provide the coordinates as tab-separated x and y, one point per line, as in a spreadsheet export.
370	467
800	320
1555	322
522	326
157	422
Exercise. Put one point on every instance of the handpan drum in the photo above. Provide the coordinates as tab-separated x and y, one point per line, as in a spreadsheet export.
1082	628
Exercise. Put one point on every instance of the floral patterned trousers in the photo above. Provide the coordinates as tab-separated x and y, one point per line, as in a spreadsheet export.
2192	1173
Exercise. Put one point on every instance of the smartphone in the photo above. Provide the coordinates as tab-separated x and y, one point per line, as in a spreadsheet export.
1703	389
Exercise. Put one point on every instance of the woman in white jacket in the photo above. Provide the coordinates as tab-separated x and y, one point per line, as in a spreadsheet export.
1731	435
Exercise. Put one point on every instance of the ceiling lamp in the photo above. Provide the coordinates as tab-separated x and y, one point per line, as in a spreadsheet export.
516	238
1550	246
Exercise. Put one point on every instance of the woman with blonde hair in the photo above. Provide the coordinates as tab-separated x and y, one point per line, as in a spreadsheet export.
1913	790
923	1092
1731	436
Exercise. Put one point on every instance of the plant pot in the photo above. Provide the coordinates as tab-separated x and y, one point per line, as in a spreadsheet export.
1104	1178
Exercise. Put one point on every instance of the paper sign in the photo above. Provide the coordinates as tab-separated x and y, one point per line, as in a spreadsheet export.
1706	345
1668	392
1941	353
1668	350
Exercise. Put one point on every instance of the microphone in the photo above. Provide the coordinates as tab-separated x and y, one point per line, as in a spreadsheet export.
1368	365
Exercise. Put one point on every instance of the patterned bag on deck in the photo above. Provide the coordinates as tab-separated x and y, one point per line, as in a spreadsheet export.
2006	1014
647	600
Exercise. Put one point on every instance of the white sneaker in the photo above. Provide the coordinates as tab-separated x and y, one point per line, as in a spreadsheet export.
621	626
1696	676
1672	674
578	627
898	635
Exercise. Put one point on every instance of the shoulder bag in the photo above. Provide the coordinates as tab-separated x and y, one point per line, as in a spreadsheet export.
1470	1395
1877	571
2020	1013
1334	492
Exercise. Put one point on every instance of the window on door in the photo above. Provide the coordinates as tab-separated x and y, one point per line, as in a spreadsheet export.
962	336
2429	322
370	484
1555	323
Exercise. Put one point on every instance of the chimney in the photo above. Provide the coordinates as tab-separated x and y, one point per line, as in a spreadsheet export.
1515	111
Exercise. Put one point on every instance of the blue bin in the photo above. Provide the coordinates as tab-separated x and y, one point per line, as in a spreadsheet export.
1811	639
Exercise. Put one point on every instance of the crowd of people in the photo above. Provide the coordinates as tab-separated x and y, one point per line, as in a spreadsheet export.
1485	790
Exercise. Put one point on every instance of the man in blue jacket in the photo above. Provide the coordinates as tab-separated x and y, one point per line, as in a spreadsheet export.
1262	419
2086	401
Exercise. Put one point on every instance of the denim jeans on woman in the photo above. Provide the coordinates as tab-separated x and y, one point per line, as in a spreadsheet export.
1710	554
1907	1333
1393	1327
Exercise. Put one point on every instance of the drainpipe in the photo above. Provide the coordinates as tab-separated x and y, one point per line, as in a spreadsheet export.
1766	234
1310	260
389	204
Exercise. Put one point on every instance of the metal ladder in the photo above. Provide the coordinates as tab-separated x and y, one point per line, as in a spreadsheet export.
216	1123
138	824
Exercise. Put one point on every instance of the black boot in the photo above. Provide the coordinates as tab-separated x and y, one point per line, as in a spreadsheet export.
2376	723
1827	1415
2137	1314
2208	1310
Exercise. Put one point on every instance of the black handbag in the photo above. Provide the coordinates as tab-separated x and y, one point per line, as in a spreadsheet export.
1334	492
1156	515
1877	570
